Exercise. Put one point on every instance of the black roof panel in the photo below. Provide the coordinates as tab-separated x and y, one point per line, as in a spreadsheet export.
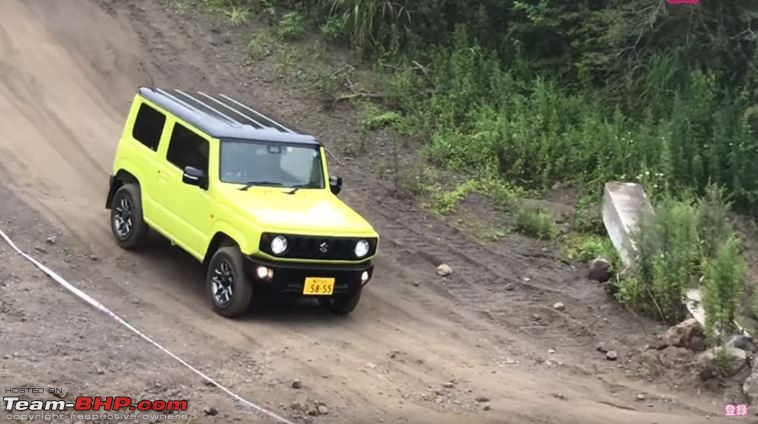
221	116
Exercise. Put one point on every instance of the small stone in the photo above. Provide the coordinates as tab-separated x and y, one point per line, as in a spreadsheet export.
50	240
723	361
92	257
611	355
482	399
416	284
745	343
640	397
509	287
449	385
100	371
312	412
486	407
210	411
297	384
40	249
510	361
322	410
558	306
551	351
600	270
527	279
60	395
443	270
536	317
135	301
560	396
601	347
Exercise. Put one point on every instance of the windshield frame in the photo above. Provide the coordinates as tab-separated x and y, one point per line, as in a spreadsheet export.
316	147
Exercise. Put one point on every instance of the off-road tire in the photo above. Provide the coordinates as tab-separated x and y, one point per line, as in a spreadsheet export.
226	269
127	223
343	305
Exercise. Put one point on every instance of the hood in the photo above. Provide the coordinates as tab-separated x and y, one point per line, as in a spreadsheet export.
307	212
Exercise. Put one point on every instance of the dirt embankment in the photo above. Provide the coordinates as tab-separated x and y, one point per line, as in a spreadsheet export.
482	345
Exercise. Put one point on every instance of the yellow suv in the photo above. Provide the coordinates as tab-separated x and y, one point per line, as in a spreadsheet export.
247	196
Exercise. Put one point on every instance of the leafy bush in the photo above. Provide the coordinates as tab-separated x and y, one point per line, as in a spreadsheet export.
380	120
536	223
291	26
724	282
237	15
588	216
713	221
585	248
680	245
445	202
667	254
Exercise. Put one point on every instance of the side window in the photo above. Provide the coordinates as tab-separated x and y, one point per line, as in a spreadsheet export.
187	149
148	126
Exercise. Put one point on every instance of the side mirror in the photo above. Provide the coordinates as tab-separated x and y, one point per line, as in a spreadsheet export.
335	184
195	177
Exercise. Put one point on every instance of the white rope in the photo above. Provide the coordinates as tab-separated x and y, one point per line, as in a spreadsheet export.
87	298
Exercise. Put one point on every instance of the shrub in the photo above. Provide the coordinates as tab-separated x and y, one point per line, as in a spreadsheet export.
724	282
445	202
713	220
585	248
667	255
536	223
291	26
588	216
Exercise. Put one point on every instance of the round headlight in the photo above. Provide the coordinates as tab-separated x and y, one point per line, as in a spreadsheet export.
278	245
361	248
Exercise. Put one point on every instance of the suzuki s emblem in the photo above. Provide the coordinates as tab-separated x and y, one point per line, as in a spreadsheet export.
323	247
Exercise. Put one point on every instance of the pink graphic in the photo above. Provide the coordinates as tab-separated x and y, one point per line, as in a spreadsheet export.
682	1
735	410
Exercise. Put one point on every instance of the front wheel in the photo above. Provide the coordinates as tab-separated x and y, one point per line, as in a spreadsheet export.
229	289
127	223
343	305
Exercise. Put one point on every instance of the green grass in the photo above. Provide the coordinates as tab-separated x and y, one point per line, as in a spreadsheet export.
535	222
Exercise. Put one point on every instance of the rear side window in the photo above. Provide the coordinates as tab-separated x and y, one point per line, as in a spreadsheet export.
148	126
187	149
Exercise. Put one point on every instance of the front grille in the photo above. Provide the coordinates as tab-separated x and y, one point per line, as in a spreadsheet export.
314	247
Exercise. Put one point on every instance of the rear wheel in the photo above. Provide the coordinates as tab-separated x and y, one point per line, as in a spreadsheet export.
343	305
127	223
229	289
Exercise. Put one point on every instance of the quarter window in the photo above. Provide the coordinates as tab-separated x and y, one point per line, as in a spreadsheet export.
187	149
148	126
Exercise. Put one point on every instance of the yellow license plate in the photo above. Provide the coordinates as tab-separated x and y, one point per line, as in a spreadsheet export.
316	286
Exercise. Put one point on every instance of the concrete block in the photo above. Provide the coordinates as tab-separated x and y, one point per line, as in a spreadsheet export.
623	205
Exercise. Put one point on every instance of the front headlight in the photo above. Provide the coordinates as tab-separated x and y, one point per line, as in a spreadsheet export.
361	248
278	245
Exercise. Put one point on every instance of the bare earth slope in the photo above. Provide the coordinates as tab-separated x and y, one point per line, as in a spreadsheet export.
68	70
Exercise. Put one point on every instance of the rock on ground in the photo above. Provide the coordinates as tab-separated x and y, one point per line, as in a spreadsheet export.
443	270
750	387
721	362
688	334
600	270
745	343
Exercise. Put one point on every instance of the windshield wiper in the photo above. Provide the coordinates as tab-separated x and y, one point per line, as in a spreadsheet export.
260	183
297	187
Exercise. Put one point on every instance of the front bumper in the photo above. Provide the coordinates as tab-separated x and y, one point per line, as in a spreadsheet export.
289	277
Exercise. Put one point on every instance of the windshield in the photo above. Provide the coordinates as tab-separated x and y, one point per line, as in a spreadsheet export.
271	164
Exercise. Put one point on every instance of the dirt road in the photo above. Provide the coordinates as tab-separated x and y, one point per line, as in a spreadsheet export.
420	348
